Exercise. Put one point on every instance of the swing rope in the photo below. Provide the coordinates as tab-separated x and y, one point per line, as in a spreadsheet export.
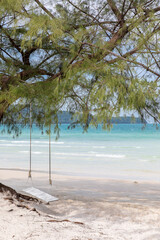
30	162
50	174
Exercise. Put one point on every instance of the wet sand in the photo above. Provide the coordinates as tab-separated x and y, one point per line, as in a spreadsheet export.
109	209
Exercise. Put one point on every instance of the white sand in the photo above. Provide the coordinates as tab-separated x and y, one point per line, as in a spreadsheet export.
110	210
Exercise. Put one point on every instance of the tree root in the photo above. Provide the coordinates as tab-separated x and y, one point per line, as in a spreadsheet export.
28	208
21	198
65	220
16	195
18	198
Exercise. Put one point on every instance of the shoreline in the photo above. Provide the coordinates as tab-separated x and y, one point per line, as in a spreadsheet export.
87	209
87	188
114	177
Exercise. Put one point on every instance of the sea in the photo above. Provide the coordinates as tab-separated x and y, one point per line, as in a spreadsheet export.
126	152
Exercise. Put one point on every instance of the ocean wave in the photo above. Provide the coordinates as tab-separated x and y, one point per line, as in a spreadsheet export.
144	160
110	155
20	141
92	152
37	152
57	142
91	155
46	142
27	143
33	141
138	147
14	145
24	151
100	147
69	154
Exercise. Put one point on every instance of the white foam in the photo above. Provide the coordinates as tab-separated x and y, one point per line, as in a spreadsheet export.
24	151
14	145
37	152
100	147
46	142
39	141
90	155
70	154
15	141
110	155
57	142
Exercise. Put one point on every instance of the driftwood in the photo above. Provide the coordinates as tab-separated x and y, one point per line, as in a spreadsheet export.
65	220
16	195
21	198
18	198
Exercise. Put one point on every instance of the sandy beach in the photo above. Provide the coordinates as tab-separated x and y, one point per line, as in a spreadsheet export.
88	208
80	100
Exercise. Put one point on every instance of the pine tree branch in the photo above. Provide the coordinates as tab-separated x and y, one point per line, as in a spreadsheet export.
134	62
115	10
44	9
10	39
89	15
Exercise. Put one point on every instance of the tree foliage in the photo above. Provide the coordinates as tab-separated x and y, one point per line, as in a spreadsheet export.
87	57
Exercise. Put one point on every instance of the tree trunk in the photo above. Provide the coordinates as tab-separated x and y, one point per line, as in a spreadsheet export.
1	116
3	107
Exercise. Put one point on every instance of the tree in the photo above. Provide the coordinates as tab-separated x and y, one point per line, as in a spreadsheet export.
89	57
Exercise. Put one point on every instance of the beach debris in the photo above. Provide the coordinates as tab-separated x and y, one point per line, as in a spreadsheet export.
10	210
17	198
28	208
16	195
65	220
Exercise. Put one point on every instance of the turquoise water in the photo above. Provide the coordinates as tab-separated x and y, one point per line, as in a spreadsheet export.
126	152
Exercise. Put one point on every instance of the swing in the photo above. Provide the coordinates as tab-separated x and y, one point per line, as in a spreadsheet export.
34	191
30	160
